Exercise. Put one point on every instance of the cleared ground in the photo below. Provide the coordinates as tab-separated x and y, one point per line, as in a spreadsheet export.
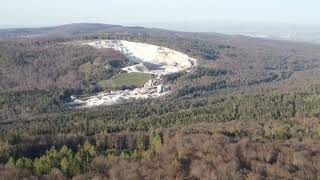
160	60
148	60
126	79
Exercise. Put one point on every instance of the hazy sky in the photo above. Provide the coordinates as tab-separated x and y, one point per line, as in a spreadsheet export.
53	12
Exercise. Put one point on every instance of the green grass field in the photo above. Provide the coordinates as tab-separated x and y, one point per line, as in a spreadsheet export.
125	79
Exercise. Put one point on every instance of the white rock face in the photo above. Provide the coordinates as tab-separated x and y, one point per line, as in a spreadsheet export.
156	59
151	59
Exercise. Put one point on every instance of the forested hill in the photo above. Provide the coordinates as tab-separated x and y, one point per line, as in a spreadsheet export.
249	110
94	29
63	29
72	29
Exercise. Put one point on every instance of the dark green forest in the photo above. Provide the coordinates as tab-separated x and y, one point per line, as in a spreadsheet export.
249	110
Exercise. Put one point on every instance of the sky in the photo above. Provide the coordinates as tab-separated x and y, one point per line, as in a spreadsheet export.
156	12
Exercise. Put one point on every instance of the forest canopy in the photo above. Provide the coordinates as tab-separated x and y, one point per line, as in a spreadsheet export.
249	110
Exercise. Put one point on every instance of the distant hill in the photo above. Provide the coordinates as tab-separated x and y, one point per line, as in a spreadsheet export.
89	28
63	29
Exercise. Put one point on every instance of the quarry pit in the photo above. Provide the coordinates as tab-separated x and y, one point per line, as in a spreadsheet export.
151	59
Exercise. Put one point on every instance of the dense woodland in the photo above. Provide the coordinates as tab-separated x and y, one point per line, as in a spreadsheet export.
250	110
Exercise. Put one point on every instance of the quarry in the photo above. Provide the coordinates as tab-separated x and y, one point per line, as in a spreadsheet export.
147	58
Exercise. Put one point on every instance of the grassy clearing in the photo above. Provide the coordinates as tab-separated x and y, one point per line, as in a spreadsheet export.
126	80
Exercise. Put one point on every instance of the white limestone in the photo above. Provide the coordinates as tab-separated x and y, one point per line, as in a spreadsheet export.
150	59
